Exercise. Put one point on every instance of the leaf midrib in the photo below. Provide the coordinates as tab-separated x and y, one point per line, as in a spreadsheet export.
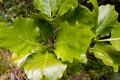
19	37
103	21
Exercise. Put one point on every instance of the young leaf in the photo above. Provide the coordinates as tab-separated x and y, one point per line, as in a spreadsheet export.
108	54
72	42
21	38
39	66
107	18
116	34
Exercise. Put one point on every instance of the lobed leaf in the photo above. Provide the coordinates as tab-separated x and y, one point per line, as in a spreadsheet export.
72	42
44	66
21	38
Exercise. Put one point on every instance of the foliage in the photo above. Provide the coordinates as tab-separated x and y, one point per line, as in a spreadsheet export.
59	37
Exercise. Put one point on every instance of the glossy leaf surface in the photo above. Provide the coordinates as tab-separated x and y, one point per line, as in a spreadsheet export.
51	8
72	42
44	66
107	18
108	54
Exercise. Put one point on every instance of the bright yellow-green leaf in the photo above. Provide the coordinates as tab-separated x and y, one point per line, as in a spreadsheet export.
20	38
72	42
115	34
43	66
65	5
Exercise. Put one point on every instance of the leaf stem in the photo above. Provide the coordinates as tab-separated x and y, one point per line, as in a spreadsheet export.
111	39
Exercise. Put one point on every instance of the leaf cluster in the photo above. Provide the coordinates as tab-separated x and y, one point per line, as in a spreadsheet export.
60	34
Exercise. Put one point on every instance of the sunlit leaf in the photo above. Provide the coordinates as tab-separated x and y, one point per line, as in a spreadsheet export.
47	7
107	18
21	38
116	34
108	54
72	42
64	5
51	8
43	66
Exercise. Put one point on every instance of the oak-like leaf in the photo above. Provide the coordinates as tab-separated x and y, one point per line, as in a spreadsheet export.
72	42
20	38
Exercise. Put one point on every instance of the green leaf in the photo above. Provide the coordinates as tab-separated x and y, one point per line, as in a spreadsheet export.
21	38
53	8
47	7
65	5
116	34
107	18
45	30
95	12
80	14
43	66
72	42
108	54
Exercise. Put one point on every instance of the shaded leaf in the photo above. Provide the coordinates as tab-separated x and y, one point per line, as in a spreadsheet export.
108	54
80	14
95	12
21	38
107	18
72	42
45	30
44	66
